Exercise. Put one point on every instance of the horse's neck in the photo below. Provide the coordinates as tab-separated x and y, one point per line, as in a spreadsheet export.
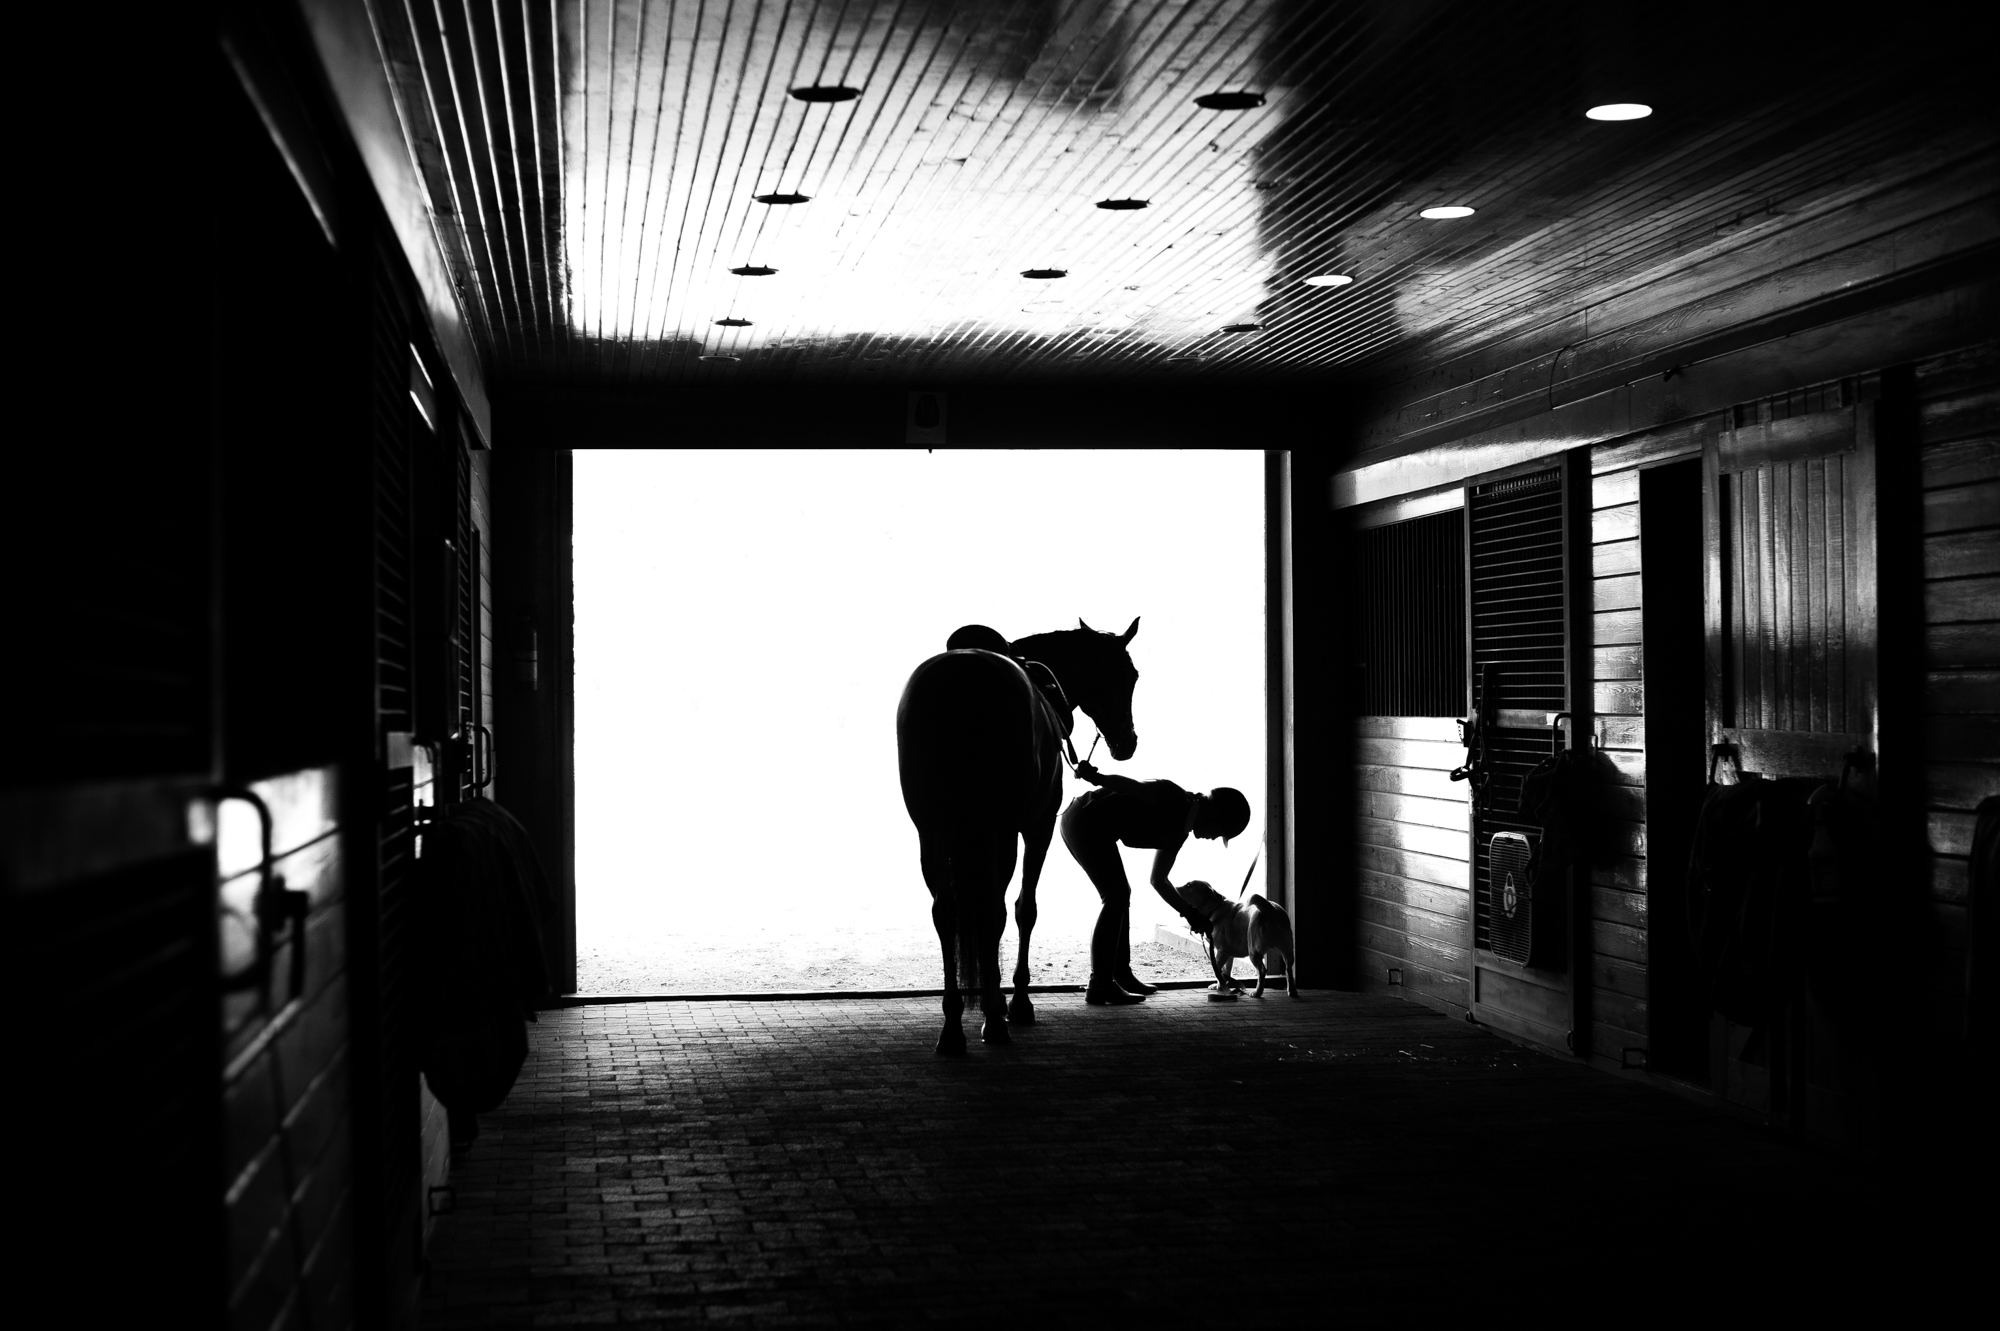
1057	651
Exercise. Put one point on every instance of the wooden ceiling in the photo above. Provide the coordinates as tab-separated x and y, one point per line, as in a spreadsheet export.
595	170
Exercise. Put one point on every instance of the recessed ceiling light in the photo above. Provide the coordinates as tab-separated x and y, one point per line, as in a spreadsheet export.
1230	101
1329	280
730	359
783	198
826	92
1619	111
733	323
1121	205
1241	328
1446	210
753	270
1045	273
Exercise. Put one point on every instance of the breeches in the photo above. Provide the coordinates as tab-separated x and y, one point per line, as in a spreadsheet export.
1095	847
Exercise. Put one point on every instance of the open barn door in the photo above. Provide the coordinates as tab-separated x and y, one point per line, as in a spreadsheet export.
1522	570
1792	642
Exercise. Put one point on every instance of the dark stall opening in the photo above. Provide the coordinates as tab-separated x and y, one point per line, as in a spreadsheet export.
1671	563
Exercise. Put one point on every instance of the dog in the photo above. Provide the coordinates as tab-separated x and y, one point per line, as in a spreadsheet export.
1258	929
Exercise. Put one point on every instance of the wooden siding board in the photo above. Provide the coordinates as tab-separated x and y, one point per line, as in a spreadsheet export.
1413	864
1444	902
1417	753
1961	462
1425	782
1621	732
1962	554
1608	559
1948	692
1615	524
1949	832
1683	440
1445	843
1627	873
1441	729
1625	697
1962	600
1950	785
1964	413
1621	662
1962	646
1418	981
1948	878
1618	941
1616	906
1624	767
1452	814
1617	627
1609	490
1446	959
1411	922
1611	975
1621	593
1961	507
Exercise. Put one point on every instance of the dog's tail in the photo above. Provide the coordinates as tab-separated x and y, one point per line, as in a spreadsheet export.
1276	927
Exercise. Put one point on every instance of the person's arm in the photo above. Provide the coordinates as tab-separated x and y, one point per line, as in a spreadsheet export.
1124	785
1163	865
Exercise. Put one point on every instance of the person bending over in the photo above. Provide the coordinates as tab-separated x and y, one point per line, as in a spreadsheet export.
1150	815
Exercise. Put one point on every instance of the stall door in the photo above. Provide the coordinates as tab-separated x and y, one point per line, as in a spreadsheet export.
1521	570
1791	637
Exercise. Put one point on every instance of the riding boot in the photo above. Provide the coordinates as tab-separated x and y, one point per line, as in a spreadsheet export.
1132	984
1106	993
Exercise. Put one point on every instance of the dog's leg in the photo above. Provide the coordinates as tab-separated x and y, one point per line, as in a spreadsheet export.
1257	960
1219	963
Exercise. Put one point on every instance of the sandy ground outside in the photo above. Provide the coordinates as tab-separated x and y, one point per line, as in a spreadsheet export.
779	955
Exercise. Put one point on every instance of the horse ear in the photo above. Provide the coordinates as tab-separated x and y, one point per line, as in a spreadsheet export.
1127	635
1085	627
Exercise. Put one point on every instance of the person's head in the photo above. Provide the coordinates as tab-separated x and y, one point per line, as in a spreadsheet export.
1222	812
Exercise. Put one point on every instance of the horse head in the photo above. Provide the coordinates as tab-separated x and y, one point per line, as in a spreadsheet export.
1099	676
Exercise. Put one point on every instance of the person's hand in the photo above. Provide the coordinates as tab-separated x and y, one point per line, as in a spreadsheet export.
1085	772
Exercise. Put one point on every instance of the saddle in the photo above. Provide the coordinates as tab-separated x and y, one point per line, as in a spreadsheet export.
981	638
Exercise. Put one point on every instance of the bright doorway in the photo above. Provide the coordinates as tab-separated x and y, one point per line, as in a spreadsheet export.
745	623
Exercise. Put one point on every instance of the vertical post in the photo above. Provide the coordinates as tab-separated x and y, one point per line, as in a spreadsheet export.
534	609
1278	677
1578	669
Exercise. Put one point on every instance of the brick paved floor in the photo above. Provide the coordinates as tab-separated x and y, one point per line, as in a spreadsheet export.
812	1163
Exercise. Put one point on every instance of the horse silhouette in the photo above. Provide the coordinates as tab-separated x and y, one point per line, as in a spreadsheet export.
979	750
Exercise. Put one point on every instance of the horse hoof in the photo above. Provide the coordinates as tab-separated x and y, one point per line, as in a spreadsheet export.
951	1043
994	1031
1020	1011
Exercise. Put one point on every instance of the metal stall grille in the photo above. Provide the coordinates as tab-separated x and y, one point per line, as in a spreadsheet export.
464	612
393	1139
1413	617
1519	649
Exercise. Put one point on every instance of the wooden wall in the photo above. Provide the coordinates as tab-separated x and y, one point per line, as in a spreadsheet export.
1959	439
1613	959
287	1097
1413	881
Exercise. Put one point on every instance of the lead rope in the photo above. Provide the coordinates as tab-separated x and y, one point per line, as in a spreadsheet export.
1253	866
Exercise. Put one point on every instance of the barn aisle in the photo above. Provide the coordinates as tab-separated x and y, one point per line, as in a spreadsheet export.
811	1163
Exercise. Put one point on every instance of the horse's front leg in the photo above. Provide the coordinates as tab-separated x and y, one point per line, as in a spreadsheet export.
1022	1011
